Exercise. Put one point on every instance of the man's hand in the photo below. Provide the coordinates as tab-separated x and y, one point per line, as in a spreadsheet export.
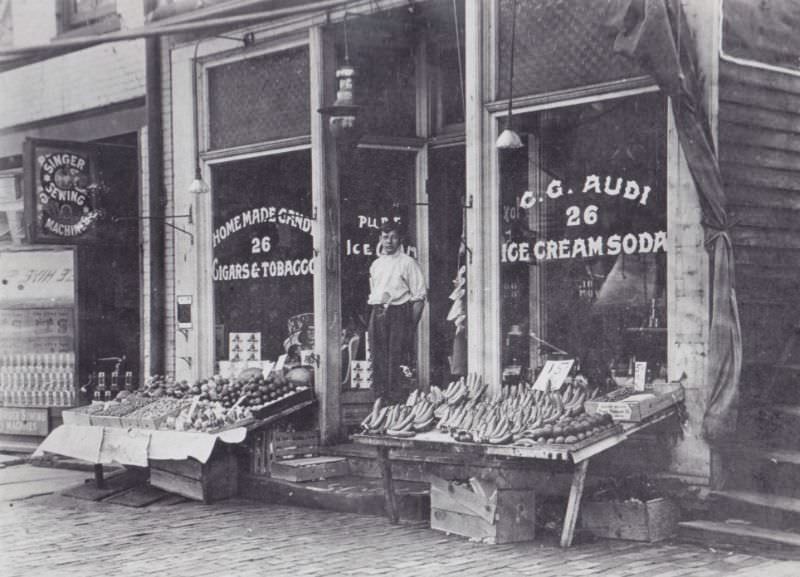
417	308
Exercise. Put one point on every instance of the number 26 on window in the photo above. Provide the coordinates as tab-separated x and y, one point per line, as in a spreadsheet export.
260	245
589	215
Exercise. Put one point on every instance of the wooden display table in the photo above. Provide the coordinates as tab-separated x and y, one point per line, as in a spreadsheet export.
576	457
182	460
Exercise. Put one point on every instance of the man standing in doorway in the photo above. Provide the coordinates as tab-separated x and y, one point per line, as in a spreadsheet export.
396	298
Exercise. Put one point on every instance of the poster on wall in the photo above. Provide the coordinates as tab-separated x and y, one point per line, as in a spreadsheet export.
63	198
44	278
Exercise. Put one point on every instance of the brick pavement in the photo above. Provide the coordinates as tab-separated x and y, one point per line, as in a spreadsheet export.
55	535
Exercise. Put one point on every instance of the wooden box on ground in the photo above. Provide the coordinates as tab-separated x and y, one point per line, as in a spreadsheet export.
216	479
634	520
293	456
482	512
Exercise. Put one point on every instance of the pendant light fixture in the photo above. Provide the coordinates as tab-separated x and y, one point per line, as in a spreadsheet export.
342	113
509	139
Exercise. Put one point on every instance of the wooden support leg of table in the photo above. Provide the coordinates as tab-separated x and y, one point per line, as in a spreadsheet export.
574	503
99	481
388	484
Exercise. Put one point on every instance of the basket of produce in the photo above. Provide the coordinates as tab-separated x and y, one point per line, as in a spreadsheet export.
153	415
81	415
133	402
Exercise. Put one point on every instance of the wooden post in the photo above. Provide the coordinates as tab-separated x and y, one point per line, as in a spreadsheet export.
388	484
327	272
574	503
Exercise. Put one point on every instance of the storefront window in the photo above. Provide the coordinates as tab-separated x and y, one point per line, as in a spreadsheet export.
263	257
583	251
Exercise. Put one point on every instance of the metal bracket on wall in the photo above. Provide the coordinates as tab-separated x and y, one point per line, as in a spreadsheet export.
166	218
187	360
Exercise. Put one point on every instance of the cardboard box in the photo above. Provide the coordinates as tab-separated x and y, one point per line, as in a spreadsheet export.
638	406
483	512
633	520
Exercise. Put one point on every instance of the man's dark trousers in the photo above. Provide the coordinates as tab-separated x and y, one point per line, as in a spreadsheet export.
391	331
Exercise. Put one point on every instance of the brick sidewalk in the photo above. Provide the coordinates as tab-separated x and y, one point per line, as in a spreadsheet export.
62	536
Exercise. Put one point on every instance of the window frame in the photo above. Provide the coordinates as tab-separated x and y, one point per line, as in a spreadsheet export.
104	17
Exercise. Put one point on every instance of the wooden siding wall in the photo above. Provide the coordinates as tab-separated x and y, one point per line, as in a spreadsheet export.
759	149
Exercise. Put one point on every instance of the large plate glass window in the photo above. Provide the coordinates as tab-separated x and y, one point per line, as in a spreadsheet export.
583	248
263	257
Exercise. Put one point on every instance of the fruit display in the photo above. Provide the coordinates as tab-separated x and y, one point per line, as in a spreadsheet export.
125	404
206	405
518	414
207	416
159	409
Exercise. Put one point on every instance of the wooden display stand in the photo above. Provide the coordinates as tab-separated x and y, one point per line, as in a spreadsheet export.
575	457
482	512
211	481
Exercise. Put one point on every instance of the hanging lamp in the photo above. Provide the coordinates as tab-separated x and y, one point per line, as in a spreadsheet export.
342	113
509	139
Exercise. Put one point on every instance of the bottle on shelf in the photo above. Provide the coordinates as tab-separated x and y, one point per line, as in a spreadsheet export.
114	385
101	386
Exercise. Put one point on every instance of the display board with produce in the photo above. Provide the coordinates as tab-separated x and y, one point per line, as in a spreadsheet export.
207	405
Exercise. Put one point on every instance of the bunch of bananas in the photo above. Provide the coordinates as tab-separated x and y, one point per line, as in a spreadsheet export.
403	420
470	388
516	412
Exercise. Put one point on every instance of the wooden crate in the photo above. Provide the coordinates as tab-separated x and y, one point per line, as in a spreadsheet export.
633	520
638	406
211	481
355	405
294	456
294	444
309	469
259	452
268	445
483	512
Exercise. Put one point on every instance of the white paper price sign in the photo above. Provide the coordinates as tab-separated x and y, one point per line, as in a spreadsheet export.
639	374
555	372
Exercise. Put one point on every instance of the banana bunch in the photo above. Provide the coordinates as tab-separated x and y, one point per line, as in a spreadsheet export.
401	420
470	388
516	413
484	422
436	396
